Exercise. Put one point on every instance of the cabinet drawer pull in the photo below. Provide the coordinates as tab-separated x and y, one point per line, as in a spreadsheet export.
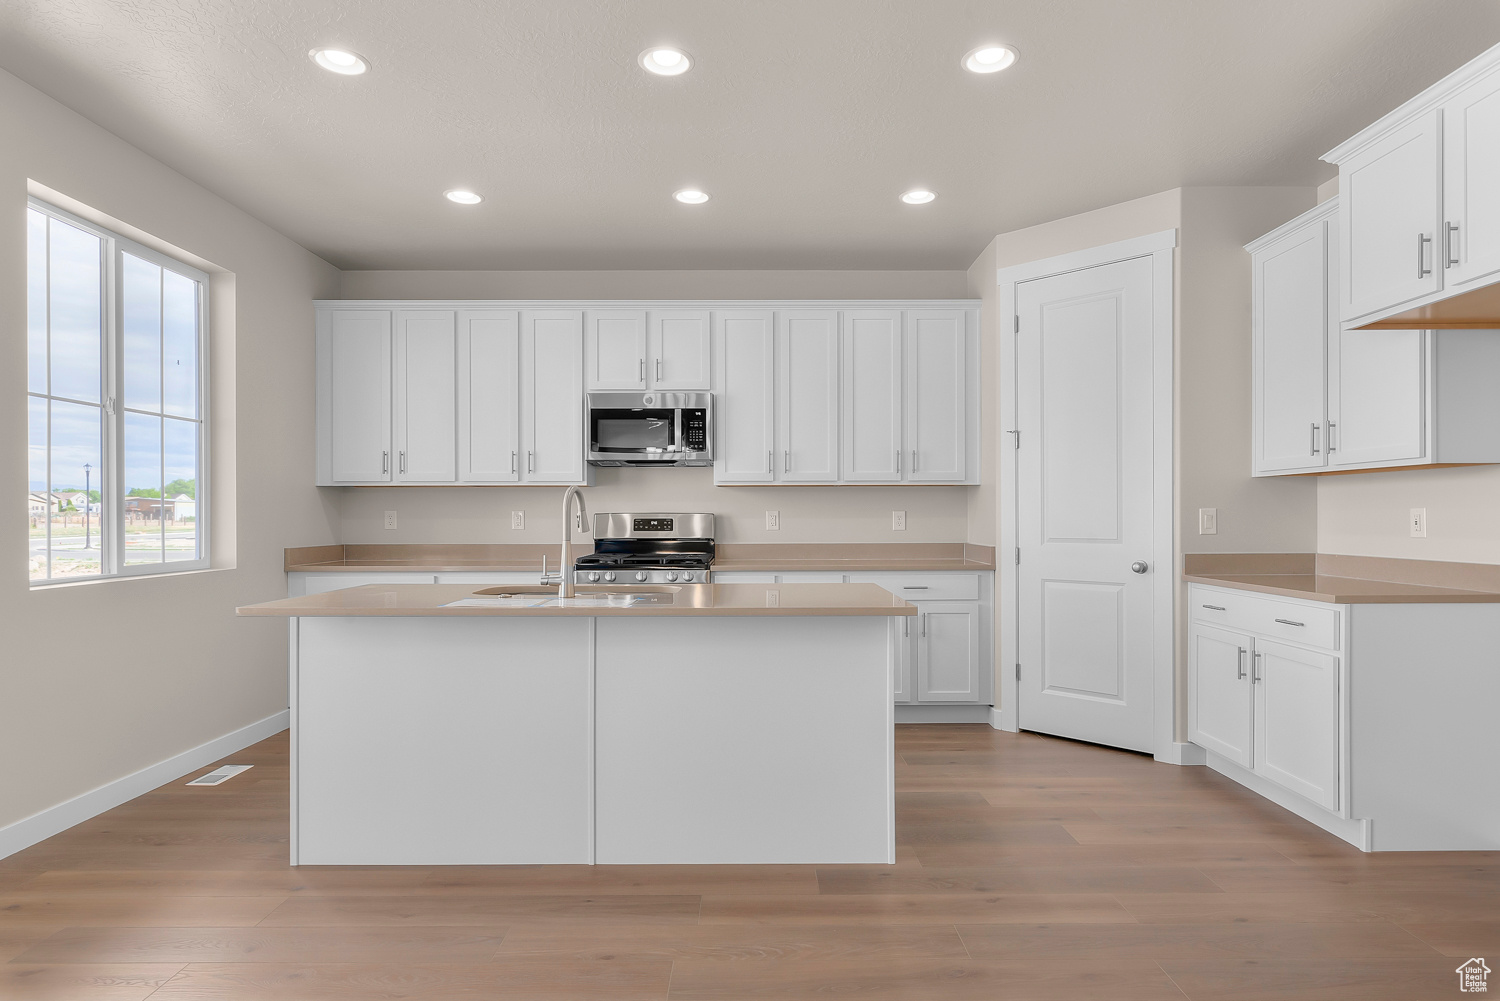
915	587
1241	675
1422	269
1289	622
1217	608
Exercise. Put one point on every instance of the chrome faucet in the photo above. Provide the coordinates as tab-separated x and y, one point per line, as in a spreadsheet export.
564	576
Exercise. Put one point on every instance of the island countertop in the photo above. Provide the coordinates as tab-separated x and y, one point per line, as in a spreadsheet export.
684	600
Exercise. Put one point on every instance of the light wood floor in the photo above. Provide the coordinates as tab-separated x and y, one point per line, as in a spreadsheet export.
1028	868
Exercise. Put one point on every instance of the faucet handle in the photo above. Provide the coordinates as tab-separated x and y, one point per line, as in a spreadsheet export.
549	578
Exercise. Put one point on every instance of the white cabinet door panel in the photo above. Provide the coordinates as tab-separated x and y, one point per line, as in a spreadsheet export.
489	407
904	657
1389	202
552	396
1297	720
1220	703
1290	334
424	397
948	652
1470	244
807	348
678	350
617	349
936	408
744	414
356	352
872	363
1377	405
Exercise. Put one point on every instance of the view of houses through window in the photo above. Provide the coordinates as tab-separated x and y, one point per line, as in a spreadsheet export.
115	346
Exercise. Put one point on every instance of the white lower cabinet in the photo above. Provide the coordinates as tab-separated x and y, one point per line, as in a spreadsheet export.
1264	703
948	662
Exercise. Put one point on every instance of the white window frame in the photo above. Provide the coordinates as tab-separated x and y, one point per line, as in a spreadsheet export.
112	393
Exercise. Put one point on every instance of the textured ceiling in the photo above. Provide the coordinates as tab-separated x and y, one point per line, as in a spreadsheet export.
804	118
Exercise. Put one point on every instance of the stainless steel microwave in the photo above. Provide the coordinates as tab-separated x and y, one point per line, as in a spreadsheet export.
651	429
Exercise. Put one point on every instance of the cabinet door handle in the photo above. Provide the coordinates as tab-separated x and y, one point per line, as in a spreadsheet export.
1450	259
1254	674
898	462
906	625
1218	608
1312	443
513	463
786	460
403	462
1422	269
385	462
924	623
914	460
530	461
658	370
643	371
770	461
1241	675
1289	622
1332	443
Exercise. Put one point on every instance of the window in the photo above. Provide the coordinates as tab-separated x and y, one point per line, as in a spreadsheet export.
116	347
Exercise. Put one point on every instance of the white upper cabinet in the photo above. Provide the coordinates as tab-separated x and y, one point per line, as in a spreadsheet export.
424	395
616	349
678	350
1421	197
807	379
1377	398
872	363
354	396
936	402
552	396
744	403
1470	247
1292	316
1391	211
489	406
633	349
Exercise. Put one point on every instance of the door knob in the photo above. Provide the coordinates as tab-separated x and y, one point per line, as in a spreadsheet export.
1140	566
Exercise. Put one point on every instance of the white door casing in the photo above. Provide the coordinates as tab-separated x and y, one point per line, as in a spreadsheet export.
1091	641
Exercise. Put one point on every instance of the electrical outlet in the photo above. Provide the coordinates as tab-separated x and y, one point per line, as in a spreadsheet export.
898	521
1208	521
1418	523
773	521
518	519
390	519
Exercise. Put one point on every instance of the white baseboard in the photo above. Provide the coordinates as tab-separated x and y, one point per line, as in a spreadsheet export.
1183	754
942	714
1354	831
1002	720
56	819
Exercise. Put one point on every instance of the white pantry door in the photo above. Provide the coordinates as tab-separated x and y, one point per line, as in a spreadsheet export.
1085	506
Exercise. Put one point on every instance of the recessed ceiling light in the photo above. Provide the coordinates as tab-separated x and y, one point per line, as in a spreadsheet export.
463	196
340	61
690	196
989	58
918	196
666	61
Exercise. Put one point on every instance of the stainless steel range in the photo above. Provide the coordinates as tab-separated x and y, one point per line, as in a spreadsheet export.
648	549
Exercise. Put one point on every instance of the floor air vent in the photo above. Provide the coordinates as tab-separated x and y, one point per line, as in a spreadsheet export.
219	775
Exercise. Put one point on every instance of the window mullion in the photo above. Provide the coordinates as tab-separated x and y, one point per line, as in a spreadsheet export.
113	502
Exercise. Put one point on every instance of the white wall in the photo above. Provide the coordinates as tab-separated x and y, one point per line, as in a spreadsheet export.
653	285
100	680
1365	514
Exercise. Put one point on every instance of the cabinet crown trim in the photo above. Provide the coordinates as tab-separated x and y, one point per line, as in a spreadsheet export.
1324	209
1481	65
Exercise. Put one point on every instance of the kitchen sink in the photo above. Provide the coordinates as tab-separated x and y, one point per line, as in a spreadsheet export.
581	589
587	596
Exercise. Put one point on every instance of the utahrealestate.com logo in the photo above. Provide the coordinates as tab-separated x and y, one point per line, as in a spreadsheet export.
1471	976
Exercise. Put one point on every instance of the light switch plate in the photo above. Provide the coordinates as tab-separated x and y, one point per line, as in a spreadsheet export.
773	521
518	519
390	519
1208	521
1418	523
898	521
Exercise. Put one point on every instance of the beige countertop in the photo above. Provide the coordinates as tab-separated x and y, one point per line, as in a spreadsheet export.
767	557
690	599
1347	580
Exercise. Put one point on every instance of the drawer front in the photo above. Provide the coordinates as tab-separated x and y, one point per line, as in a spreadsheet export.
924	587
1311	625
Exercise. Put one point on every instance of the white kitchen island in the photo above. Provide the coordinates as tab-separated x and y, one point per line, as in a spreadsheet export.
732	723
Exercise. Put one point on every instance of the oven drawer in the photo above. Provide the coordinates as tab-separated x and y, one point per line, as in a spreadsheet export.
924	587
1300	622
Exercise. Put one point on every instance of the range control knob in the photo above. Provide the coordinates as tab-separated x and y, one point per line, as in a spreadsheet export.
640	575
609	576
593	576
671	575
687	576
